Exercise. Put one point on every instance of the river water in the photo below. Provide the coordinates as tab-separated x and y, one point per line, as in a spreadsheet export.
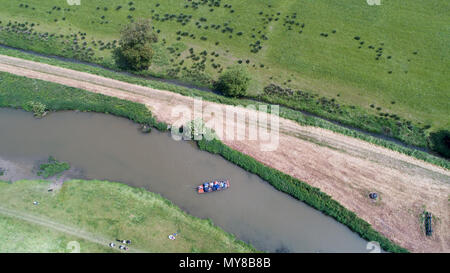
104	147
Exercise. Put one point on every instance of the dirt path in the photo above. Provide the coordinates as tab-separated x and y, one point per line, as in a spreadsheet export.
345	168
34	219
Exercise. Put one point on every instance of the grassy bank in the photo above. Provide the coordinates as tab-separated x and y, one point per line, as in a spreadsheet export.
284	111
19	90
365	66
111	210
19	236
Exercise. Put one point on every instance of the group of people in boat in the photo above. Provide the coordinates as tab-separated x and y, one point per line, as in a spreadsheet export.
213	186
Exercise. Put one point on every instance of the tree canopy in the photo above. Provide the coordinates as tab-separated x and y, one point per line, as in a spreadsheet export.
233	82
135	46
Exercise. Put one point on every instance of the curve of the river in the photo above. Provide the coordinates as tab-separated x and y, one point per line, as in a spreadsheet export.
105	147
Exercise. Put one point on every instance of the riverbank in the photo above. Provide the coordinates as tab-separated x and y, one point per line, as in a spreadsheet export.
355	169
119	211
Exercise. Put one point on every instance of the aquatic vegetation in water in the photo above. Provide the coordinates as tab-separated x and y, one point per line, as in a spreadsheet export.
53	167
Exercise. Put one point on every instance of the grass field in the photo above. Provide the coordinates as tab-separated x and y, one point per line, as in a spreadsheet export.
335	55
19	236
119	211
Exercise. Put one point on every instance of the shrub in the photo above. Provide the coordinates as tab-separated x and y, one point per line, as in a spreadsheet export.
136	58
135	51
440	142
39	109
233	82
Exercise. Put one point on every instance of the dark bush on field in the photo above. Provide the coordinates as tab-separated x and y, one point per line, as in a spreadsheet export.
135	46
233	82
440	142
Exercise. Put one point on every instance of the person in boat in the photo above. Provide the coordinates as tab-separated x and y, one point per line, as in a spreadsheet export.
222	184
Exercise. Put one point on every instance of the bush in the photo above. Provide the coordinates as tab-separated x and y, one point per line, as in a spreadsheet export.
440	142
233	82
138	57
135	46
39	109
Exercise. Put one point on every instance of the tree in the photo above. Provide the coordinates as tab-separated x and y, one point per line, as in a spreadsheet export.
440	142
233	82
135	46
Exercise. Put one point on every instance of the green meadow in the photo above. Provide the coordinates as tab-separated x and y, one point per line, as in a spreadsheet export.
378	68
119	211
19	236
